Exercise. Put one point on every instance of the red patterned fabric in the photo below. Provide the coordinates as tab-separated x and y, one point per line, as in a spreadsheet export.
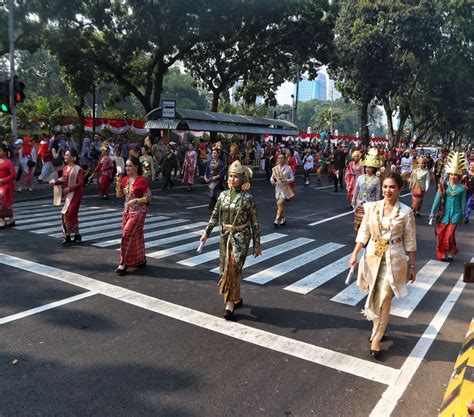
70	220
105	167
132	248
446	240
7	175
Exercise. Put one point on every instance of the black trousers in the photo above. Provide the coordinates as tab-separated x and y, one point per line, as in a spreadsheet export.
167	179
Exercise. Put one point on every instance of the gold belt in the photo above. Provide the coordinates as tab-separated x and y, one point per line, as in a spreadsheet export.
381	244
232	228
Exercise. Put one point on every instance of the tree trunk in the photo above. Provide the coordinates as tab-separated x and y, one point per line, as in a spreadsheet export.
158	87
403	116
388	114
215	100
364	121
80	114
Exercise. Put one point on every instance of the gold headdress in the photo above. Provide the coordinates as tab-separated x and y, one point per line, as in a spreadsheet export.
372	159
234	147
356	154
104	148
217	147
421	160
245	172
456	163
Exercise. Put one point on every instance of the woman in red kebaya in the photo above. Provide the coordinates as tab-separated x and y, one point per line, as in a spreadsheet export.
7	183
137	198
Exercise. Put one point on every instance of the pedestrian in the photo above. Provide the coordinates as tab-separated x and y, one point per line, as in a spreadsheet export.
308	165
105	171
367	188
406	167
469	180
46	157
448	207
189	167
388	229
339	165
169	163
268	157
236	213
354	170
282	178
27	162
137	198
7	186
57	153
214	176
72	183
148	166
419	185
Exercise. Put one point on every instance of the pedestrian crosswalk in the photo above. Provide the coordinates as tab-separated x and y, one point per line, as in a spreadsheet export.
285	260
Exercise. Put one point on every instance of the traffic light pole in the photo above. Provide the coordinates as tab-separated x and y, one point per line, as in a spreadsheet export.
11	43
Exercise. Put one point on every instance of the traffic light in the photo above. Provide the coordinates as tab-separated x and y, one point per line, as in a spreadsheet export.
18	89
5	97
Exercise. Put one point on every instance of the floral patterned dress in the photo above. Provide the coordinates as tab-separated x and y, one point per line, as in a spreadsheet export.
236	213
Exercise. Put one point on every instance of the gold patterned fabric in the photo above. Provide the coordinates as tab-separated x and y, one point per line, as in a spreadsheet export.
238	219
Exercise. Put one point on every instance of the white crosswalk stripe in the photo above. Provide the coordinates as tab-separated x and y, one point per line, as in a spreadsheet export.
267	275
206	257
99	224
274	251
155	233
148	225
34	203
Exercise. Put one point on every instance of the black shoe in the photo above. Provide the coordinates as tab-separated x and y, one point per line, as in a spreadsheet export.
275	224
12	224
121	271
142	265
282	223
228	314
375	353
239	304
77	238
67	241
449	259
105	197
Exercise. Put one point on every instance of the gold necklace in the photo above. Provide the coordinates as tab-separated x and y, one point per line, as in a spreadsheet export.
129	187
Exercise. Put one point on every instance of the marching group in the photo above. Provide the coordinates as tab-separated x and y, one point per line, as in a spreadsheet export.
373	179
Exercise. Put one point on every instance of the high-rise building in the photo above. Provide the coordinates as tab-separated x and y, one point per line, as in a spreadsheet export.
312	89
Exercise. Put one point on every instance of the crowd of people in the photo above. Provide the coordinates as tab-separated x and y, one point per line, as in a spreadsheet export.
372	179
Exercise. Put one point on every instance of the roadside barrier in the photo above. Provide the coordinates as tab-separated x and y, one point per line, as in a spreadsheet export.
459	397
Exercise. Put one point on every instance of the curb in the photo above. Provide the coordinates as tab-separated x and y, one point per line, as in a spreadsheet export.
458	400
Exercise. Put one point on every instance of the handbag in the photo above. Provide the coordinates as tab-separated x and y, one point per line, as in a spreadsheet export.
468	272
416	191
30	163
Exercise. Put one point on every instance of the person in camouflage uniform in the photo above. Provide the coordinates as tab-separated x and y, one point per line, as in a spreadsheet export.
236	214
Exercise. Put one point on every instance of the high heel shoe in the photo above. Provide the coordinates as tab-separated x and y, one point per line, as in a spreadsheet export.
375	353
239	304
228	314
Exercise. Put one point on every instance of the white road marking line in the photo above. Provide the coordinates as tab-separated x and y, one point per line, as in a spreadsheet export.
85	212
45	210
395	390
195	207
177	238
350	295
319	277
57	220
335	360
425	279
331	218
208	256
86	228
49	306
155	233
39	216
118	231
272	252
326	186
183	248
33	203
84	218
280	269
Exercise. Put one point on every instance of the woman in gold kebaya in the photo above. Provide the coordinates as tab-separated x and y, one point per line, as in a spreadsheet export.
236	213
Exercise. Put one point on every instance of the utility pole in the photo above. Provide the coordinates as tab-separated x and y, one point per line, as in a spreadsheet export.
11	44
294	119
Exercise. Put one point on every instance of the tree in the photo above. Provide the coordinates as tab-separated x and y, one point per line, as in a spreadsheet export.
130	42
260	43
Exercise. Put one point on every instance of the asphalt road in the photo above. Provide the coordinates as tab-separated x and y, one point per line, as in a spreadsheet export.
78	340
